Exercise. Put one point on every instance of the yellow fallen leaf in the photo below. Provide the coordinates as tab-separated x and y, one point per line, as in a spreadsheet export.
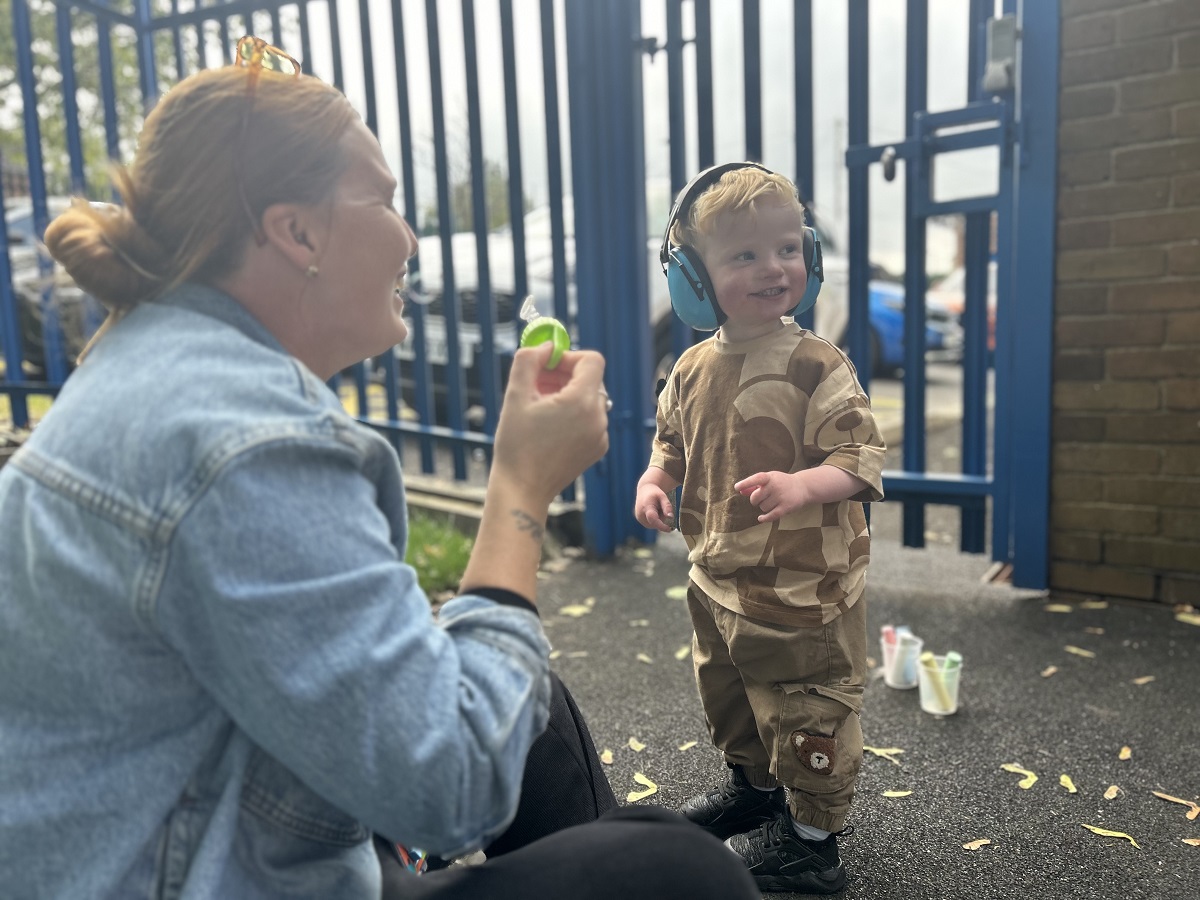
1048	671
575	610
1104	832
896	793
642	553
1125	753
642	657
1145	679
684	652
1112	792
651	788
1065	781
606	757
1079	651
976	845
1025	783
1094	630
1193	810
639	623
1194	842
635	745
888	753
688	746
1094	604
678	592
1188	618
1058	608
555	654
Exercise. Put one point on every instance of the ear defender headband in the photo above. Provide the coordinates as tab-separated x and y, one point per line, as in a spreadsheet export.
692	294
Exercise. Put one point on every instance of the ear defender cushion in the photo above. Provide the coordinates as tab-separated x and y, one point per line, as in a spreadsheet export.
692	294
815	267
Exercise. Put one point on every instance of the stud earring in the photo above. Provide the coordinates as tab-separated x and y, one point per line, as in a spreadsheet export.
312	271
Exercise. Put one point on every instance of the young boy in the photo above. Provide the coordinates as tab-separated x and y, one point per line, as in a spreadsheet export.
771	436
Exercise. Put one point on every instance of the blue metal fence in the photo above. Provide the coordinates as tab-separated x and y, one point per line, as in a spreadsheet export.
497	106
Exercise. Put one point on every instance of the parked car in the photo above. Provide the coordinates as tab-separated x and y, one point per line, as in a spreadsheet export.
78	314
943	331
951	293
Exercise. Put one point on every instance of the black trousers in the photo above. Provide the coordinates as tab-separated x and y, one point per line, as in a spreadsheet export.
570	840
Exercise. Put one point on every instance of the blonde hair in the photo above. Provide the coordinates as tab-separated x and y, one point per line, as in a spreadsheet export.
201	181
736	190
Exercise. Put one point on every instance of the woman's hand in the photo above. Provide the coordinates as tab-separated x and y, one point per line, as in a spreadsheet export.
554	422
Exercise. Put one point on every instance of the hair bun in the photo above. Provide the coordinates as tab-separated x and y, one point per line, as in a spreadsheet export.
106	252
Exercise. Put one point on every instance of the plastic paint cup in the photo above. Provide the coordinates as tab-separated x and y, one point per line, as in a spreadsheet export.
939	677
547	328
900	660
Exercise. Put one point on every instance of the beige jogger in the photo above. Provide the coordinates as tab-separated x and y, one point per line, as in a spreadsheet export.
783	702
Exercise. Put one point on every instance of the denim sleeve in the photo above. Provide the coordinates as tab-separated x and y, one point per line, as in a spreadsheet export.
285	591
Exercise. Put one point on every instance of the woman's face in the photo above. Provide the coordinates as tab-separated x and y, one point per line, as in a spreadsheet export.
364	261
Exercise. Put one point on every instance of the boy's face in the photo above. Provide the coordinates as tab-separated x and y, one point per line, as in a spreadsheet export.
755	259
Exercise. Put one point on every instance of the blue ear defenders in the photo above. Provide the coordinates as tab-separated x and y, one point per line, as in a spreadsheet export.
692	294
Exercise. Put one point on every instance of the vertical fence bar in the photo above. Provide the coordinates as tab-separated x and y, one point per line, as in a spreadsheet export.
1033	287
70	109
802	92
752	69
422	397
554	165
858	252
489	370
335	43
450	310
915	187
705	141
177	43
682	336
305	36
976	240
147	71
516	183
608	150
368	63
10	330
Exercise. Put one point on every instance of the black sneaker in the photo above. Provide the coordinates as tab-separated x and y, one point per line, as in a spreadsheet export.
734	807
780	860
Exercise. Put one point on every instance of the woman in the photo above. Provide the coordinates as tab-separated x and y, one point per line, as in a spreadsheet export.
217	676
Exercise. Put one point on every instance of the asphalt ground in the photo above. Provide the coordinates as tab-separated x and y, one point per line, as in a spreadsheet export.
619	628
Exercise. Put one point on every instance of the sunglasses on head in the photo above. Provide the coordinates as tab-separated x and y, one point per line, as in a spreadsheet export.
255	55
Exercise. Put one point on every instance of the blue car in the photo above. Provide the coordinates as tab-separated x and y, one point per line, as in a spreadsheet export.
943	331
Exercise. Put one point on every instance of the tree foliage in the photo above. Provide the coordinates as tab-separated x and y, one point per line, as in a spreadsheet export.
48	80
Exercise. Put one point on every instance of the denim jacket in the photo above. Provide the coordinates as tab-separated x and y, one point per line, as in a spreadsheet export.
217	674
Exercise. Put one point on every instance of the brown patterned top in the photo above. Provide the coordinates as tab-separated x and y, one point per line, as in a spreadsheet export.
784	402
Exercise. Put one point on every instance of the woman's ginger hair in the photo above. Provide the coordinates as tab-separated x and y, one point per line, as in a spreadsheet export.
736	191
199	184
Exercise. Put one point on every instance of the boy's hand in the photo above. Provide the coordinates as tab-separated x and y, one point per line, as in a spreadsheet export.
775	493
652	508
778	493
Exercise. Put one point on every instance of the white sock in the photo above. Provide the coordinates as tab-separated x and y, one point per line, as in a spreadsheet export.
808	832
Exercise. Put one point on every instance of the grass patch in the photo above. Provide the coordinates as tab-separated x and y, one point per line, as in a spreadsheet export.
438	551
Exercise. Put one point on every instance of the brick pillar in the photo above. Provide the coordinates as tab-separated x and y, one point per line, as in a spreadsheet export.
1125	490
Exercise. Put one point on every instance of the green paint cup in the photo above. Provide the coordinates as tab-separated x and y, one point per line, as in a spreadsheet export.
543	329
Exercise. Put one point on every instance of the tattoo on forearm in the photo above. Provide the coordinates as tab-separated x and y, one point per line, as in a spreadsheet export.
526	522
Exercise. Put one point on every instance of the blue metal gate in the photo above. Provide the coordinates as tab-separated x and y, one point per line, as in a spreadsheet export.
529	137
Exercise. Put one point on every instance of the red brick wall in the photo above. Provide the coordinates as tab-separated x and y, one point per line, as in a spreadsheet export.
1125	483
